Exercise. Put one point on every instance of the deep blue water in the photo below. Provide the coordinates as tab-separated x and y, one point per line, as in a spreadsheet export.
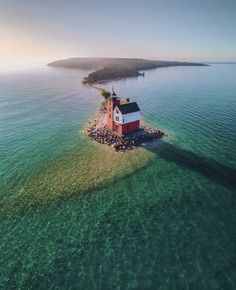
168	225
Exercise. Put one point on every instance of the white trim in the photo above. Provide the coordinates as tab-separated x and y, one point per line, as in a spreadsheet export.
125	118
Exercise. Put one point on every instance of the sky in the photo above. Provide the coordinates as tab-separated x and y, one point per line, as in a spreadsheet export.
46	30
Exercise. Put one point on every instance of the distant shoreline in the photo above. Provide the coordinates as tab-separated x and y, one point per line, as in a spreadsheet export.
110	69
215	62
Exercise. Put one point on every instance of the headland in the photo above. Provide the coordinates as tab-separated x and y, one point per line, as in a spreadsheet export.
107	69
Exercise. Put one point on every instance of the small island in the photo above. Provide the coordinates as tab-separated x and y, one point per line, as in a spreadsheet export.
107	69
118	124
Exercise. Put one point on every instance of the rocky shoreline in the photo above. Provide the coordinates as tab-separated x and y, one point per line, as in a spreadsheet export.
131	141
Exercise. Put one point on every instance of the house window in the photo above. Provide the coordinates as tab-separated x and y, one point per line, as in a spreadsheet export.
117	111
109	109
117	118
110	116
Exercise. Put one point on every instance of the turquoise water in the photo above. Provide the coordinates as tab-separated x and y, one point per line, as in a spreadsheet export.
76	216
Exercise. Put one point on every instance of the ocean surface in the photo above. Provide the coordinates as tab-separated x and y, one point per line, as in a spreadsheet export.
76	215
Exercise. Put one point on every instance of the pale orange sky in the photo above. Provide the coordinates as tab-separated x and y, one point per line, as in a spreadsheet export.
177	30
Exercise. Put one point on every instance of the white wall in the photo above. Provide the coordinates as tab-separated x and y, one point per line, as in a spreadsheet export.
126	118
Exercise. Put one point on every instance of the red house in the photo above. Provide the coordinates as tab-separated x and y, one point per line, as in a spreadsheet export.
123	116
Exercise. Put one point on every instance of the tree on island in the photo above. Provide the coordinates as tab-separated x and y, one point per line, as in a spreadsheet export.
106	94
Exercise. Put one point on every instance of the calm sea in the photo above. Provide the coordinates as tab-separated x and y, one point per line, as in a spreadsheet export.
74	215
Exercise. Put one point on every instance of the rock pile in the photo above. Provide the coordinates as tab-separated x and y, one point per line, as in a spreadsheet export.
130	141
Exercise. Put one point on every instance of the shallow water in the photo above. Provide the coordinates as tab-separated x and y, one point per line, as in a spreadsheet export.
75	215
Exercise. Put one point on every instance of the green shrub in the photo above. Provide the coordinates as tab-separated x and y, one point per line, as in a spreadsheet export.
106	94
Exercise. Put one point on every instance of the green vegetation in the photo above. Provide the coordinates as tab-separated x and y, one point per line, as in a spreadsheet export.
97	63
106	94
107	69
110	73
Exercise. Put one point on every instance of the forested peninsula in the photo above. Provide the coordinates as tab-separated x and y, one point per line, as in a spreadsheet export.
107	69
